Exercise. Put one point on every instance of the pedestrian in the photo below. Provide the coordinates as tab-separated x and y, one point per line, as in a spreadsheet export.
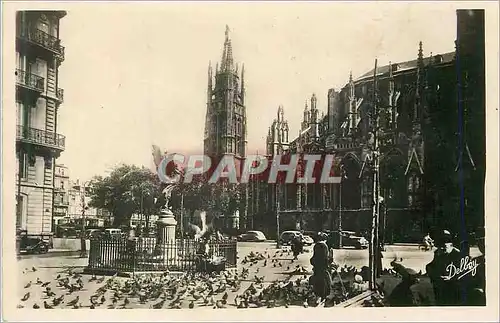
445	284
321	278
428	242
297	246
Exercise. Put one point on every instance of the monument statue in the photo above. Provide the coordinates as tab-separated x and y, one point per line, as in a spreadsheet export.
167	191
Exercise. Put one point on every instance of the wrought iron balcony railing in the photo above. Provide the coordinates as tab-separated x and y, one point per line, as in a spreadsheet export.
43	39
60	94
41	137
30	80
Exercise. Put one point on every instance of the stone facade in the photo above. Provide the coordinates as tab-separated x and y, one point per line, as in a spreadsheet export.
38	97
226	122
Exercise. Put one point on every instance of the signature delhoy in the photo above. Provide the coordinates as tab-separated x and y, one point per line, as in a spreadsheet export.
467	265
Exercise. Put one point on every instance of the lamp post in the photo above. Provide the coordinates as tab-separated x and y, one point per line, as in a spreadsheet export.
375	154
83	245
342	177
277	197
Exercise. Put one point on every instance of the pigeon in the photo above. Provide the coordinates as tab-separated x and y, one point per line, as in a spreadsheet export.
58	300
33	269
74	302
46	305
25	297
28	285
159	304
36	306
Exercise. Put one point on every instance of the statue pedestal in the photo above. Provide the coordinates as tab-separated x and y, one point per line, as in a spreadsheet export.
166	242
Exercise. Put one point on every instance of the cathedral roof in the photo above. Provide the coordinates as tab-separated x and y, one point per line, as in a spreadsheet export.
408	65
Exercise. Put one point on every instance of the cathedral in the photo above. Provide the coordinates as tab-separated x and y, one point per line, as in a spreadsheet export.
431	133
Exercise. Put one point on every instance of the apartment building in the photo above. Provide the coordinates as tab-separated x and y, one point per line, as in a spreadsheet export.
39	95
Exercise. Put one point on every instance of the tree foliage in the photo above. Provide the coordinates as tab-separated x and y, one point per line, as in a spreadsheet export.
128	189
217	198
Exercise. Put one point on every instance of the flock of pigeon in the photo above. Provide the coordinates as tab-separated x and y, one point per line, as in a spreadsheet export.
229	289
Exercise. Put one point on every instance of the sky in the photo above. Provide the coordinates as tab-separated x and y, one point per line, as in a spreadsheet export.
136	74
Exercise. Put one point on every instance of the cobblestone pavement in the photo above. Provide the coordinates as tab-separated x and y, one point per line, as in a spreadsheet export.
33	269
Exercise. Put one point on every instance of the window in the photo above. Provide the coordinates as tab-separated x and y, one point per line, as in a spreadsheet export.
23	165
62	184
414	183
366	192
43	25
19	61
48	163
20	113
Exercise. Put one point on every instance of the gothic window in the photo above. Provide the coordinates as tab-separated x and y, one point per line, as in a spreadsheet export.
414	183
366	193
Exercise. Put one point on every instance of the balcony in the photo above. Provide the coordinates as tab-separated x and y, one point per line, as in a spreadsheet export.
30	81
40	137
43	39
59	202
60	95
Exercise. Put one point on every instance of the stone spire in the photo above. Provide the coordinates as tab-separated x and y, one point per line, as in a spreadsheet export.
227	54
209	87
242	94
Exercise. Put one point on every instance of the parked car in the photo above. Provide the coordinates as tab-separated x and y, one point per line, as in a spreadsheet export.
307	240
287	236
93	233
312	234
32	244
349	239
113	233
257	236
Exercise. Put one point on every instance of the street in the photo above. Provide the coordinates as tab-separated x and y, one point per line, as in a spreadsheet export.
46	269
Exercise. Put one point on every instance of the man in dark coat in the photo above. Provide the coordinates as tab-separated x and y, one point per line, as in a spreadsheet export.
297	246
321	279
447	287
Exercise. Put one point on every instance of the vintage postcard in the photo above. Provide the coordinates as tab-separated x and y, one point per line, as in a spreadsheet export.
230	161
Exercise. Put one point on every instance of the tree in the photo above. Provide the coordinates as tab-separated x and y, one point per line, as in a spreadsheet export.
127	190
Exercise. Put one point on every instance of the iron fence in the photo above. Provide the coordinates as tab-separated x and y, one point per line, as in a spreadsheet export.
146	254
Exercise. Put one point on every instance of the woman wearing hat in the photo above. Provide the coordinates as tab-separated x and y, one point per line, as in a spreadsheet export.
321	279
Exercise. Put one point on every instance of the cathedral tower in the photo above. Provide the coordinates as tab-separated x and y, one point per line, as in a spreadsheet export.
225	123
